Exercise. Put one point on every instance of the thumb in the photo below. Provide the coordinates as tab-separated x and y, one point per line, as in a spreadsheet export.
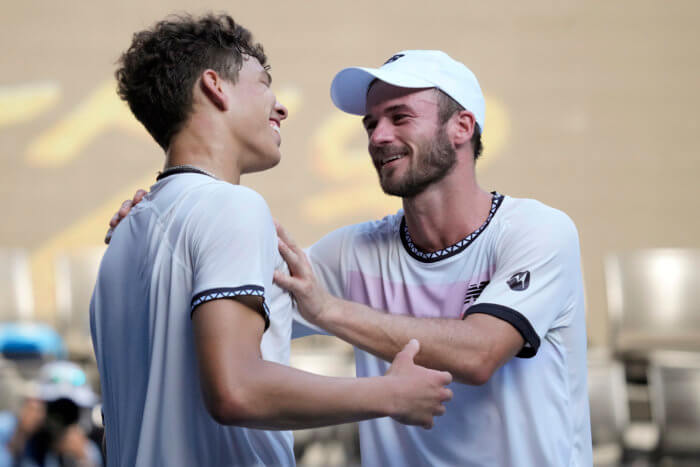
411	349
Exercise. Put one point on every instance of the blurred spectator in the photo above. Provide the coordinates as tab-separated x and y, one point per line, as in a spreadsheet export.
62	439
21	414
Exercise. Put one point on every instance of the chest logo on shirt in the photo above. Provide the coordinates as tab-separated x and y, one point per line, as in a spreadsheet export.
519	281
473	292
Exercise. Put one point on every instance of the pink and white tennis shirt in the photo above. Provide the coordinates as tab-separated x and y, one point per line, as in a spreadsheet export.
522	266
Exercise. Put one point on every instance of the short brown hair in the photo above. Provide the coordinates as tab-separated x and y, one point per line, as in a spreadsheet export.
157	74
447	107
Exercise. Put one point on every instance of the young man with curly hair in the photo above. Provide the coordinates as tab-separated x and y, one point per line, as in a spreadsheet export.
191	358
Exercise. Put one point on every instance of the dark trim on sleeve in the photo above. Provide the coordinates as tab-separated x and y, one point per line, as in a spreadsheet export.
516	319
232	292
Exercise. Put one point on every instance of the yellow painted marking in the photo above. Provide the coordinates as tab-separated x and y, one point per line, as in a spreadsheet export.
100	111
20	103
64	141
497	132
334	155
89	231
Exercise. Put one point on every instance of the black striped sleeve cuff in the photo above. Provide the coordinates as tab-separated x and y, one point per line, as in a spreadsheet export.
232	292
516	319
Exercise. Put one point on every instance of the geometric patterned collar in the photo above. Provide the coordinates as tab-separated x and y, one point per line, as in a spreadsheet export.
433	256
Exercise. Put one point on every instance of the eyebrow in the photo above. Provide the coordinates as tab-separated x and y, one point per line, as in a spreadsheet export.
393	108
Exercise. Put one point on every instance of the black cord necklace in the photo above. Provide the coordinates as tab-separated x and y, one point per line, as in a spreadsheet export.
181	169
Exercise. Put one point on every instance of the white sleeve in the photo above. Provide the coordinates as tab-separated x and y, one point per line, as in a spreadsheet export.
536	279
232	247
327	260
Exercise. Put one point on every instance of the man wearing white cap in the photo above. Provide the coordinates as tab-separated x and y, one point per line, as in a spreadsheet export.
491	285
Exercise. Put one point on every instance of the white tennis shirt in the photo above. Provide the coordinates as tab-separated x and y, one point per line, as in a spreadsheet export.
522	266
192	239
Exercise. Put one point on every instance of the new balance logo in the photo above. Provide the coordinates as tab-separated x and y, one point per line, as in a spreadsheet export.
473	292
519	281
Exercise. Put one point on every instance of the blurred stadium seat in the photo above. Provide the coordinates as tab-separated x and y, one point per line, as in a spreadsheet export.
674	389
654	300
76	272
336	445
16	298
609	411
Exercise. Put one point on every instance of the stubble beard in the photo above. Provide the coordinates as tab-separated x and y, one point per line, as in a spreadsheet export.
435	160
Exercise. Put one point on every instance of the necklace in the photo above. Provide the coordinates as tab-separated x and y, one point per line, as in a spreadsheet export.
184	168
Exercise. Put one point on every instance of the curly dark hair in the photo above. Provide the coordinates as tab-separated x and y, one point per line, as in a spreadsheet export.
157	74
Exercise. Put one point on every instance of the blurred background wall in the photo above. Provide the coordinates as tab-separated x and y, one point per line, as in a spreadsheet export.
591	108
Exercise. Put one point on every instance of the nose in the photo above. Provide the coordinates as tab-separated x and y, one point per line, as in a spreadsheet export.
281	110
382	133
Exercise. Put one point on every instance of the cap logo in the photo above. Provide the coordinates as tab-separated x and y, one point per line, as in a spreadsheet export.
393	58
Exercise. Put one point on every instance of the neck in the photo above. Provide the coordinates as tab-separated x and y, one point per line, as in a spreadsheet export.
200	144
447	211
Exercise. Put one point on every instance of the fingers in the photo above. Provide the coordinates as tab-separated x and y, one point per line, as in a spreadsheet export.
125	208
138	196
123	211
446	395
114	220
445	378
410	350
284	236
299	265
285	281
108	236
289	256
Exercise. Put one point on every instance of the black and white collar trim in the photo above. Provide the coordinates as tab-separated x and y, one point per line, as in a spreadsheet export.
433	256
182	169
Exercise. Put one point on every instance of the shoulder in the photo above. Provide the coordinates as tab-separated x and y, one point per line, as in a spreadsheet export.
521	216
530	226
230	200
356	236
233	194
223	209
379	230
368	232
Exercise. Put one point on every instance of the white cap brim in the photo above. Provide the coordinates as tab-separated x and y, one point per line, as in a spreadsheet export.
81	396
349	87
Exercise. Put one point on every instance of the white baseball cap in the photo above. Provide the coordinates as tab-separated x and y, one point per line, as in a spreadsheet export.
411	69
64	379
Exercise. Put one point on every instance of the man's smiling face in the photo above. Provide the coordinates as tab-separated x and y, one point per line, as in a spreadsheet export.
409	147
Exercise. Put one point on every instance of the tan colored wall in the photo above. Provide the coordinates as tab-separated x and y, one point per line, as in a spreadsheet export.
591	108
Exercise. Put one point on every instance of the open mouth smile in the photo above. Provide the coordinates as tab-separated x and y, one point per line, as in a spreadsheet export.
386	160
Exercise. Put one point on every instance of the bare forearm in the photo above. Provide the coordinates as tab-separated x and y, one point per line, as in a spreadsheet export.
280	398
446	344
240	388
470	349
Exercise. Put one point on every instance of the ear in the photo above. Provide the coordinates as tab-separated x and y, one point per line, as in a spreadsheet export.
213	87
463	127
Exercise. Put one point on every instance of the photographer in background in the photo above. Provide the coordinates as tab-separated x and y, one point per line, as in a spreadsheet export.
62	438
